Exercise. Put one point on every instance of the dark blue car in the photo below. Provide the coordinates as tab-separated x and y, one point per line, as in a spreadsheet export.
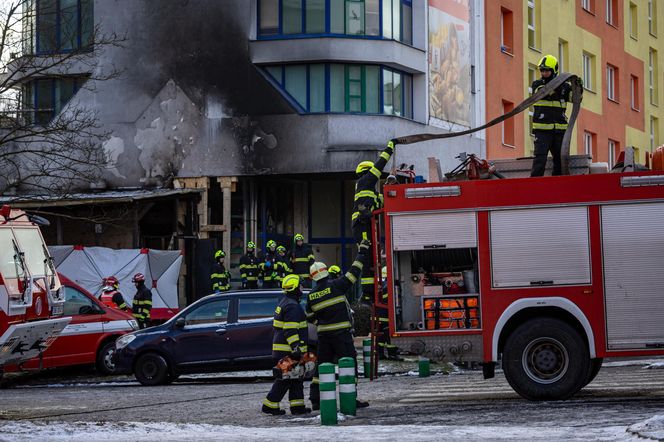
222	332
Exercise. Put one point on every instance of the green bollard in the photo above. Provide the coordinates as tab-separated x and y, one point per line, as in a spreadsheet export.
347	387
425	368
328	393
366	353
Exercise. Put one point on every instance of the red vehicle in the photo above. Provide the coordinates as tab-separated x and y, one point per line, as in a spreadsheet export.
90	336
546	275
31	297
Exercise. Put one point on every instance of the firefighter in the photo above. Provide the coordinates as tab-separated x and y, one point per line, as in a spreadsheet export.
289	339
268	266
334	271
386	350
327	304
220	276
249	267
549	119
282	266
111	296
368	199
301	257
142	303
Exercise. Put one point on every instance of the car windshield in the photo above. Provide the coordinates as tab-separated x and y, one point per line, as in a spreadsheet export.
31	244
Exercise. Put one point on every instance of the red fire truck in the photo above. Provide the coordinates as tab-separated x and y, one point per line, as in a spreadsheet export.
547	276
31	299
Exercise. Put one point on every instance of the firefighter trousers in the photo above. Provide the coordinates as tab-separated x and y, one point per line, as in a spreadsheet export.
295	390
385	347
547	141
362	230
331	349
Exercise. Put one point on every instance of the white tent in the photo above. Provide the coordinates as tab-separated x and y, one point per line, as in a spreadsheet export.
87	266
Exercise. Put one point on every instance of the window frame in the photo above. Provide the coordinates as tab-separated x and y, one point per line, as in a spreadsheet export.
652	18
612	89
506	31
612	146
652	76
531	15
634	92
57	49
588	71
588	142
588	6
633	21
32	88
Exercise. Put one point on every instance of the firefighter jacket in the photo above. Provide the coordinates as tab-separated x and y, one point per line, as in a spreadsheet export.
327	303
220	277
301	259
142	303
282	267
549	112
367	199
249	267
290	328
268	266
114	299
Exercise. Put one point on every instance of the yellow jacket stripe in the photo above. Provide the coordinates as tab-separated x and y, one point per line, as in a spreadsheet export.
327	303
331	327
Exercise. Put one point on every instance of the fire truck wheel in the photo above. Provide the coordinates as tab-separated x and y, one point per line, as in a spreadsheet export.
104	363
546	359
151	369
595	365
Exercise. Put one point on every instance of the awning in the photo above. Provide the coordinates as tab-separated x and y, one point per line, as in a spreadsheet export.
104	197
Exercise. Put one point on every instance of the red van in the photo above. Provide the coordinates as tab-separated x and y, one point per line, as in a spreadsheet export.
90	336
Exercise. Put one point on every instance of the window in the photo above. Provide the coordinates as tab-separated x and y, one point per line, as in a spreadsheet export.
654	133
588	5
30	243
588	71
611	82
76	302
346	88
533	24
634	92
611	12
268	13
633	21
613	151
506	32
563	57
652	76
508	125
589	143
652	17
48	96
315	16
62	25
254	308
213	312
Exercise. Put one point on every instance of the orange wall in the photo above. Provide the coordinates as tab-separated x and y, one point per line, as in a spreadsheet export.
504	80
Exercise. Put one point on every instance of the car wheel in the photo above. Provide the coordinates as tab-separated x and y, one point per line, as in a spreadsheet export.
151	369
171	378
546	359
104	362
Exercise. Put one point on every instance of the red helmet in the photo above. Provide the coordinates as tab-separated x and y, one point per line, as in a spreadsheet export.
138	278
111	280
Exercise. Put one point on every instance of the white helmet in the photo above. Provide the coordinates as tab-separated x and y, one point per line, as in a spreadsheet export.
383	272
318	271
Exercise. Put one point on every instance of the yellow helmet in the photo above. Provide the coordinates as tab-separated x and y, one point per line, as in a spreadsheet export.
549	62
290	283
363	167
299	237
318	271
334	269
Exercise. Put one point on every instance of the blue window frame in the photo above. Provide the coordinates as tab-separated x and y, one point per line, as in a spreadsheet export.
61	26
47	97
388	19
344	88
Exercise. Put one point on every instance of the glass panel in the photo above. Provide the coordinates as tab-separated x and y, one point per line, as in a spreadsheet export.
317	88
387	18
7	263
292	16
44	101
75	301
372	17
337	16
64	90
407	22
68	24
372	89
315	16
355	104
337	88
254	308
408	96
275	72
46	25
296	83
269	17
387	92
396	19
209	313
354	17
30	243
87	23
397	94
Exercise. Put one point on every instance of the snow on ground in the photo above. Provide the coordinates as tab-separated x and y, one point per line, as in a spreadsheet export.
652	428
164	431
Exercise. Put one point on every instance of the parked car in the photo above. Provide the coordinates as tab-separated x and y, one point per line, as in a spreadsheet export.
221	332
90	336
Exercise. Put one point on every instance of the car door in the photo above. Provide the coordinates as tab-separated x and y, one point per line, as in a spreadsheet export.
253	329
202	344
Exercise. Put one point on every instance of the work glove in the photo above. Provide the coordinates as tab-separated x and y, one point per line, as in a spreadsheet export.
364	247
296	354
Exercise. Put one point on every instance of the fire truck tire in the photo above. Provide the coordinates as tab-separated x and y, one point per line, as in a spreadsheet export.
546	359
595	365
151	369
104	362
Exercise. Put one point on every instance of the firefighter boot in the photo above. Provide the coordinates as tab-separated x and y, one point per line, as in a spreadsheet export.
392	353
300	410
361	404
272	411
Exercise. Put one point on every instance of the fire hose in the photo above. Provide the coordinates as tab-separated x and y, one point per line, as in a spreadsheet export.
577	97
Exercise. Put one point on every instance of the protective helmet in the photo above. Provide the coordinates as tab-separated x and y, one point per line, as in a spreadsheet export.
318	271
112	281
299	237
219	254
549	62
281	249
383	272
271	244
290	283
251	245
335	270
363	167
139	277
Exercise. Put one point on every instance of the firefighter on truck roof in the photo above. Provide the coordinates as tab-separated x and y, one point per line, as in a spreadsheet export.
141	306
111	296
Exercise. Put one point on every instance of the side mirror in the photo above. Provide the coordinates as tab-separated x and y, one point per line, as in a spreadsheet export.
180	322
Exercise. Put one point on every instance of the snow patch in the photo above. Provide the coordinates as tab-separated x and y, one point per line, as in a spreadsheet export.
652	428
656	365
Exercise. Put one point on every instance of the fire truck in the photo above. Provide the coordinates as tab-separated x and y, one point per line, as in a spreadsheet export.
544	276
31	299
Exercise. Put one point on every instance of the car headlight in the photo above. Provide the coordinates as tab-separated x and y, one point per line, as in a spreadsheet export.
133	324
124	341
